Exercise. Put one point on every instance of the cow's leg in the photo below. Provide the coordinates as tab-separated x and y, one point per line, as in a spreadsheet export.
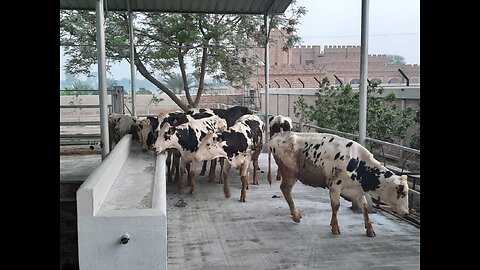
244	177
204	168
362	201
222	165
335	203
255	167
211	173
176	166
168	164
191	177
279	176
286	188
183	169
223	178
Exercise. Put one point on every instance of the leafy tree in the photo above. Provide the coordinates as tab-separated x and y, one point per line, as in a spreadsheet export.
337	108
218	44
174	81
143	91
415	140
396	59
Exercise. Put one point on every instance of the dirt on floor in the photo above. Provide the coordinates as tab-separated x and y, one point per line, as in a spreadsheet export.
80	150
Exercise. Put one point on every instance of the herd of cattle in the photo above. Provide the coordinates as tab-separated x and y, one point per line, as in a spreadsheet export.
234	136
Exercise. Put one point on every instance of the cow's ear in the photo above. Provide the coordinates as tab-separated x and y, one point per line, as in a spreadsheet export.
270	119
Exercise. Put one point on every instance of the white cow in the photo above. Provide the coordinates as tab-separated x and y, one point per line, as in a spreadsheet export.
343	166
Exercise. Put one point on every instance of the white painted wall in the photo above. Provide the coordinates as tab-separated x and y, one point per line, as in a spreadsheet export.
100	230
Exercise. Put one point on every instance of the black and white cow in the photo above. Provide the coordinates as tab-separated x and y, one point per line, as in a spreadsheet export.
230	115
144	132
240	144
343	166
185	138
176	118
278	124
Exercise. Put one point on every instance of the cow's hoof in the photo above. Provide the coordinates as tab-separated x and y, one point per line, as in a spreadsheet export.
336	231
371	233
296	217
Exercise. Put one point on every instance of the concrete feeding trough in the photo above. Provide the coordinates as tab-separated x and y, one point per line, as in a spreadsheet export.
121	208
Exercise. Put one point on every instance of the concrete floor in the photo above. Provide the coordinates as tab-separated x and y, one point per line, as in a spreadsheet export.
208	231
212	232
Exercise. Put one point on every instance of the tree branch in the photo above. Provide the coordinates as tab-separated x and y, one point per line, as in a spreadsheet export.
143	70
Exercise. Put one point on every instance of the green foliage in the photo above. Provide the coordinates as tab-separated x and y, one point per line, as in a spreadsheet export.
415	140
218	44
78	88
143	91
337	108
174	81
396	59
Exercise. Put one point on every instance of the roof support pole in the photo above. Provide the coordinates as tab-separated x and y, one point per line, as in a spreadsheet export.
102	82
363	74
132	58
267	75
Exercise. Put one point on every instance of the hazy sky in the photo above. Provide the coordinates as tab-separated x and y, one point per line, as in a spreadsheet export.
394	28
394	25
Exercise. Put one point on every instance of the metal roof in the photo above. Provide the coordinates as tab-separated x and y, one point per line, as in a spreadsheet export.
185	6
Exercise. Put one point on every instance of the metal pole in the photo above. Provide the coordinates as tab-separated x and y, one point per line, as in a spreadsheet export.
288	102
363	94
102	82
363	74
267	70
132	58
277	104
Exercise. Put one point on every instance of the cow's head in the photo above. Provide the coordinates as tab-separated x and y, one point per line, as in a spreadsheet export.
142	133
395	194
165	138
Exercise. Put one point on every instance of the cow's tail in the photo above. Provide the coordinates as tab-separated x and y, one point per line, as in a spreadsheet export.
269	175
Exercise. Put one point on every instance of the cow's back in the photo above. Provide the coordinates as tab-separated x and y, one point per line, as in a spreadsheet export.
316	159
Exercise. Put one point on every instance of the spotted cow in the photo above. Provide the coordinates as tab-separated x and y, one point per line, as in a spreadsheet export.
185	138
230	115
240	144
143	132
343	166
278	124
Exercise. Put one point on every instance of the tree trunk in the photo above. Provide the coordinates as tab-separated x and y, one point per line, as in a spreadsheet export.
202	76
143	70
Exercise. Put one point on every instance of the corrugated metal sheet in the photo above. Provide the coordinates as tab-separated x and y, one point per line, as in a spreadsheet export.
186	6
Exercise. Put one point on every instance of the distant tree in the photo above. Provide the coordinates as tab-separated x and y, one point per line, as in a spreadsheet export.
174	81
78	88
111	83
218	44
396	59
415	140
143	91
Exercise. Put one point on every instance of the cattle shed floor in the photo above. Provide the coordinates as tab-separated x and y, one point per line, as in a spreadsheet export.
209	231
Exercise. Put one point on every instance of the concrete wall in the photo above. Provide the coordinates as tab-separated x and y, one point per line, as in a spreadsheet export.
100	230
